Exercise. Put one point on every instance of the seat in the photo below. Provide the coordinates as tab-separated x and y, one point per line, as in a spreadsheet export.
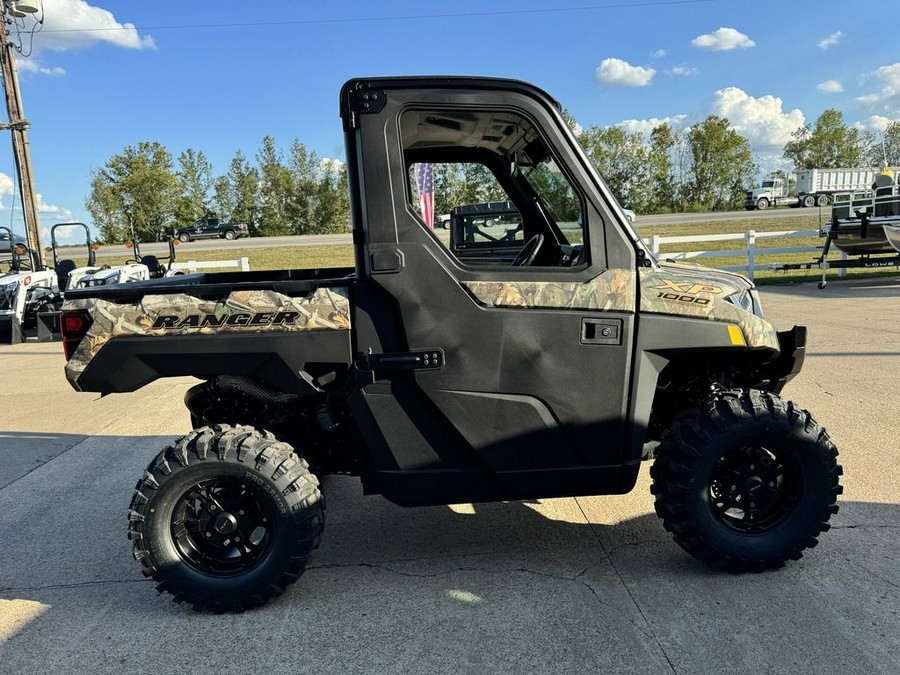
152	263
62	272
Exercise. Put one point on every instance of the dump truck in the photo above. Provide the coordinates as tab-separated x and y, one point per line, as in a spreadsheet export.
815	187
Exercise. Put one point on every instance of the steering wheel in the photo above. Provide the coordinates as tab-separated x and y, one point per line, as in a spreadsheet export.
529	251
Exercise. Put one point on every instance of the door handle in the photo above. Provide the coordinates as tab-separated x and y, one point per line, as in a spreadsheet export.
601	331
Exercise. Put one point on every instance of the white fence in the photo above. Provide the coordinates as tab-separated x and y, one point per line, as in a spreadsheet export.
750	249
193	265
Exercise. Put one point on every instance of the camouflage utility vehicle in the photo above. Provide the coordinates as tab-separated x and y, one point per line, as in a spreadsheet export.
548	366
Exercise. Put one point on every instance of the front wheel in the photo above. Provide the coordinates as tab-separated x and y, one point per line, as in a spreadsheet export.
747	482
762	204
226	518
184	237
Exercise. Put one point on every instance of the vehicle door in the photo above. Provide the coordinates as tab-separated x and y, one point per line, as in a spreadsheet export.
488	378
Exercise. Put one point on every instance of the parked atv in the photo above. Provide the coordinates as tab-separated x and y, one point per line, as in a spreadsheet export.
551	365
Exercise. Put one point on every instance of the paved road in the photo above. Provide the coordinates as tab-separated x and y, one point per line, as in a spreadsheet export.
321	239
583	585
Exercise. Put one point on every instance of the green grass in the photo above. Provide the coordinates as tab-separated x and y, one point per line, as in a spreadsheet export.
341	255
762	276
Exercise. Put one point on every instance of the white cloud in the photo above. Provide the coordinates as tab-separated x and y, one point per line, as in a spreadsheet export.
75	24
57	213
682	71
619	73
658	54
29	66
6	185
723	40
830	87
889	96
53	212
73	234
831	41
331	165
875	123
762	121
648	125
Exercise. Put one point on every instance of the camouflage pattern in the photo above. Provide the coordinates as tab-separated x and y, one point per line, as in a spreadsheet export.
152	315
698	291
613	290
674	289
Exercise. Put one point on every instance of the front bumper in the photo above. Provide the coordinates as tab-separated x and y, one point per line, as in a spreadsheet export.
784	367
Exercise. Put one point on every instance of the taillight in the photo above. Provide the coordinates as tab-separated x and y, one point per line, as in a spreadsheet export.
73	325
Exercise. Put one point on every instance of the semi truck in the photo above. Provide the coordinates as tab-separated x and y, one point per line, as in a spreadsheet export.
815	187
550	368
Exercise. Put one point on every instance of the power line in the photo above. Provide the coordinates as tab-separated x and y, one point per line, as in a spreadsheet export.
402	17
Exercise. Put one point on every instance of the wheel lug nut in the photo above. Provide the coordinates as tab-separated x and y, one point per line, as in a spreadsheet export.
771	483
208	534
237	539
752	467
752	505
241	512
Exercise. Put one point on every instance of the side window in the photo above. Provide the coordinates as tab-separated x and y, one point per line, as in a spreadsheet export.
488	186
471	213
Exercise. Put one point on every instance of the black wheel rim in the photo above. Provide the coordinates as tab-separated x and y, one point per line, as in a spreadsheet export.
223	526
753	489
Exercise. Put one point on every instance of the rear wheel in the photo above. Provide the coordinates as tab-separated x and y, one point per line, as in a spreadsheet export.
809	200
747	482
822	200
229	235
226	518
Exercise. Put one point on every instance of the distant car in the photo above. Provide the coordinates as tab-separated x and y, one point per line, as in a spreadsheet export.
211	228
17	238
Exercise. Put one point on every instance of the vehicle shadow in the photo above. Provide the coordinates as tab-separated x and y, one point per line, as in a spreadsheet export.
559	585
23	452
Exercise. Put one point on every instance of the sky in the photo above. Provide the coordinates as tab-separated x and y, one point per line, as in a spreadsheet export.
219	75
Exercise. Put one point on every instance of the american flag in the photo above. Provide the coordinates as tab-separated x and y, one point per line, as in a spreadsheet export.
425	186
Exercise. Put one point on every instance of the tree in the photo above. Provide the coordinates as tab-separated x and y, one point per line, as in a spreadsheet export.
721	164
195	183
134	194
622	159
236	193
275	191
663	189
304	171
332	199
886	147
830	144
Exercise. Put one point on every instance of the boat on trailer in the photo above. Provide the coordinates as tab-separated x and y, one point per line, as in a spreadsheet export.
864	227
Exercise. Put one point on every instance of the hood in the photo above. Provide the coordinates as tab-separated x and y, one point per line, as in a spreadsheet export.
699	292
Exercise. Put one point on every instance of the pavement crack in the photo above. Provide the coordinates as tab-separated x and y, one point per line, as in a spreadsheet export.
824	390
80	584
865	526
650	632
431	575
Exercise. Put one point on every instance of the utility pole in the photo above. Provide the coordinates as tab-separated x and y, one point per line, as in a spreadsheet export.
17	127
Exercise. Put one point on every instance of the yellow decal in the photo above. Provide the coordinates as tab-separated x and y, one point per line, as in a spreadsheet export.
736	336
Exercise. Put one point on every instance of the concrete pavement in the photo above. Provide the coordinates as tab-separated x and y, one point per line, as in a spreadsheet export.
557	586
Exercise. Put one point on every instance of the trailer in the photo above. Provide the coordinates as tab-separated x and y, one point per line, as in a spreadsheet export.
862	226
